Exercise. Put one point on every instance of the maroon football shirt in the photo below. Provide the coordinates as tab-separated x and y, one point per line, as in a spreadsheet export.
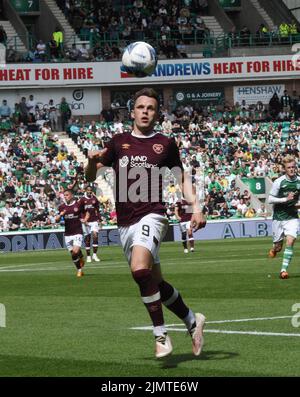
72	217
91	205
184	210
137	162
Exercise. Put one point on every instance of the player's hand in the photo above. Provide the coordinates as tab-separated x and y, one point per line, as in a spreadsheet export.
290	196
95	155
198	221
62	213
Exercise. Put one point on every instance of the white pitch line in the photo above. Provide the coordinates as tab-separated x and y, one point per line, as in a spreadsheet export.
50	269
223	331
239	320
258	333
172	327
29	264
12	266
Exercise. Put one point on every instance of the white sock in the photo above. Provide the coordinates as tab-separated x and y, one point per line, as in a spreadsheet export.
159	331
189	319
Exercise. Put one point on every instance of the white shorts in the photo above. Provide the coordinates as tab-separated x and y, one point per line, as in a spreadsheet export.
184	226
73	241
148	232
284	228
90	227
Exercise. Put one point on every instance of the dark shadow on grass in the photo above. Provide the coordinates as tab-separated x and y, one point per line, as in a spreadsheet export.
173	360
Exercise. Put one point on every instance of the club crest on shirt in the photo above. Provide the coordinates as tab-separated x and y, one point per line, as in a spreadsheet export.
158	148
124	161
126	146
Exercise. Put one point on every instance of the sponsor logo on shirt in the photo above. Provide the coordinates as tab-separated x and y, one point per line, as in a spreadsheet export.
141	161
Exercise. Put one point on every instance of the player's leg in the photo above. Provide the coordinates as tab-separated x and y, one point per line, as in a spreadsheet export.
74	243
287	256
184	236
141	264
95	230
139	241
87	241
290	230
191	239
78	260
172	299
278	236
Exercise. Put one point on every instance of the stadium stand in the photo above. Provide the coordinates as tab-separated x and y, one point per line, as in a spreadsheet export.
218	149
168	26
223	147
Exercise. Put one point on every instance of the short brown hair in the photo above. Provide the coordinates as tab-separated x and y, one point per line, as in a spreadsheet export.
288	159
150	92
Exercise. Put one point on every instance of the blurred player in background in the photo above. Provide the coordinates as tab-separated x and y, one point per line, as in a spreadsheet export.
184	216
142	223
91	226
284	196
74	214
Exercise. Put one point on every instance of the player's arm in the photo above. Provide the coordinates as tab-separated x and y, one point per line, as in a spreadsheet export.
86	217
72	185
178	217
184	180
94	164
98	211
198	220
98	159
278	200
61	213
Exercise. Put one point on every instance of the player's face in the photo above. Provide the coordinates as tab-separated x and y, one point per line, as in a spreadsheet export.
290	169
89	192
68	196
145	114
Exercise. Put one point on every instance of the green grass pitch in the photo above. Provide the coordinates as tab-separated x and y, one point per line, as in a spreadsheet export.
59	325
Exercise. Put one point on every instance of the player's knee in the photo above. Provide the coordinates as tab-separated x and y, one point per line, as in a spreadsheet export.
290	241
141	276
74	255
278	247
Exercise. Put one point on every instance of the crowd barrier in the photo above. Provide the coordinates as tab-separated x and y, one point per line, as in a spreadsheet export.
214	230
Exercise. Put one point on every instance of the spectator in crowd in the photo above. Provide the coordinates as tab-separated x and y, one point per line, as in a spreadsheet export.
5	110
31	105
12	55
3	35
65	113
58	37
84	53
286	102
52	115
41	50
53	50
23	109
274	105
73	53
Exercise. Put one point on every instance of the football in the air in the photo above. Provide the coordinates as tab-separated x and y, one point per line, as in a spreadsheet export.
139	59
